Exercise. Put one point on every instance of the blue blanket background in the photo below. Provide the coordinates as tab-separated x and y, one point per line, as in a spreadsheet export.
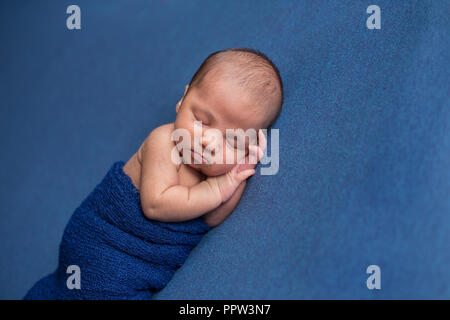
120	254
365	137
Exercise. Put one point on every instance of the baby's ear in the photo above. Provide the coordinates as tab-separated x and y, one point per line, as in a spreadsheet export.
177	108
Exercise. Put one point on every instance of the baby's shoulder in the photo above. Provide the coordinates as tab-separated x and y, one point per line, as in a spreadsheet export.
162	132
159	140
160	135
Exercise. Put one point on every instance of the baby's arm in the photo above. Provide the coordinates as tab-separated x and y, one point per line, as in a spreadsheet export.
163	199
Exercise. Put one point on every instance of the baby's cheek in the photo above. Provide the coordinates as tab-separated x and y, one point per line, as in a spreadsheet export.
229	156
241	154
238	156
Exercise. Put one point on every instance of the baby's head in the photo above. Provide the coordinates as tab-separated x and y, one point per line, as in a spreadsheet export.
233	89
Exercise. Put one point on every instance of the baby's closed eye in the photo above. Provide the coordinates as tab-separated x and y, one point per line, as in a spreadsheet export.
203	117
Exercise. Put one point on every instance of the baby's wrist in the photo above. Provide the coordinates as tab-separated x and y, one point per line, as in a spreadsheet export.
215	187
226	185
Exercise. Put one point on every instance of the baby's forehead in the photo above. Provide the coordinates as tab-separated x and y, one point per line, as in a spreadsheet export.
231	81
241	119
241	100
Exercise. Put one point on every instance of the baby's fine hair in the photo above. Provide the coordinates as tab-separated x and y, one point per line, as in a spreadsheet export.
257	73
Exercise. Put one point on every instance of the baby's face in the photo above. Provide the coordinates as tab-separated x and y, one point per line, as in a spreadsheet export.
221	105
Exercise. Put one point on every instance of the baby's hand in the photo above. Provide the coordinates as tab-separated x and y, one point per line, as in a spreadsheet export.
256	152
229	182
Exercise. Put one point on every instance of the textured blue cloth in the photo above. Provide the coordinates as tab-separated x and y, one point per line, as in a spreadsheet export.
120	253
364	138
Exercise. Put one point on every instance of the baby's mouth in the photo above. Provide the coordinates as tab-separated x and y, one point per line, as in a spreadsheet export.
199	159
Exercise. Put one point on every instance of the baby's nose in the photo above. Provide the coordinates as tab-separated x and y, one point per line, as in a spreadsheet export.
207	140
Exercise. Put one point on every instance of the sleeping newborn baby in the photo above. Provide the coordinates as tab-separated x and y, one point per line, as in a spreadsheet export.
232	90
137	227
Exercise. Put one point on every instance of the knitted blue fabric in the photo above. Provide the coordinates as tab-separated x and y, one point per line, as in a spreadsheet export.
364	139
120	253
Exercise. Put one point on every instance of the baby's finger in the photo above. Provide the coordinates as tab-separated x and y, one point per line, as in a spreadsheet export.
242	175
262	140
254	154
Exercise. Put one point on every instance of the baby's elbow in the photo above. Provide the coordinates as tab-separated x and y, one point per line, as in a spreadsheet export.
150	212
151	209
156	210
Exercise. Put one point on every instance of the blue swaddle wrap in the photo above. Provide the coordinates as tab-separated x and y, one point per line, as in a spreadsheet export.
120	253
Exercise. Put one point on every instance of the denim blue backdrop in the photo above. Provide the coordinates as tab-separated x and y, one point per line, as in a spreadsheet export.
364	138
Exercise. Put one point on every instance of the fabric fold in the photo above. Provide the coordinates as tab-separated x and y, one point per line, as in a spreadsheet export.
120	253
